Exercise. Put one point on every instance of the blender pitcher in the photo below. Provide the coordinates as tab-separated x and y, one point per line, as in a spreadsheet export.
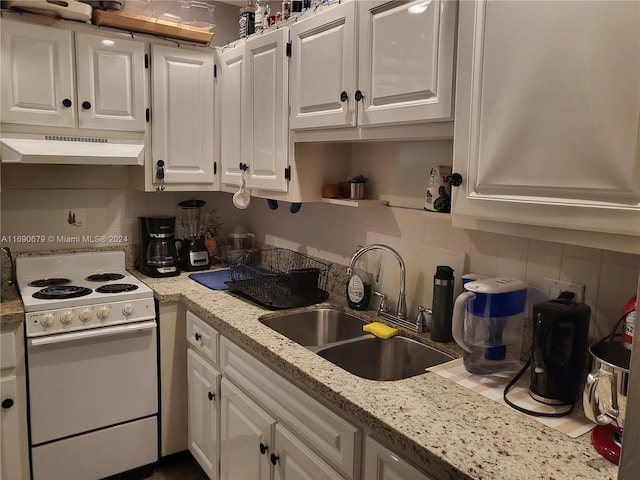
488	323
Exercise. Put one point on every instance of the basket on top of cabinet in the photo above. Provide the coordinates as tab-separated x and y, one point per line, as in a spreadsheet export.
279	278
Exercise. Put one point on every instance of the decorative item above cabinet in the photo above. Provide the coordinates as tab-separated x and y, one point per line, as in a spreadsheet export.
401	72
547	131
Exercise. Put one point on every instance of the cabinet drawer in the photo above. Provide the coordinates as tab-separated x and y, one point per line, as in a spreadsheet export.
202	337
334	439
8	349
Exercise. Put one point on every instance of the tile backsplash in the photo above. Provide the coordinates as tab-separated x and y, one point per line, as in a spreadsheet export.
50	219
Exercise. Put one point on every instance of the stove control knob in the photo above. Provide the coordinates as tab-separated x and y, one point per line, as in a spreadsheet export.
103	313
67	317
48	319
127	310
85	315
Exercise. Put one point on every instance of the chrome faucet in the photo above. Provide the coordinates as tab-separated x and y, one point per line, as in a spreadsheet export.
401	311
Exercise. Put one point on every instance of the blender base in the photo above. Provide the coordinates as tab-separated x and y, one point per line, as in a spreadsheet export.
607	440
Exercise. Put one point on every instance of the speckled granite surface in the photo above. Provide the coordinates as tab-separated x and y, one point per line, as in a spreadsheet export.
452	432
10	305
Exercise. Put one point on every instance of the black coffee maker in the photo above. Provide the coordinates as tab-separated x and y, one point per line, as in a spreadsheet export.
158	251
560	342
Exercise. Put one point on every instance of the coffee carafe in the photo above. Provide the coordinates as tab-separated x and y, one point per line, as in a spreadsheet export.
488	323
157	254
192	250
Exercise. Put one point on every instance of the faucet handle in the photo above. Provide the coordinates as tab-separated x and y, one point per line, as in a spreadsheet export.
423	319
383	302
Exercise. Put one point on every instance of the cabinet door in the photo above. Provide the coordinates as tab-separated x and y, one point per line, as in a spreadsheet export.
246	436
323	69
380	463
37	75
10	465
231	84
266	132
547	126
203	381
405	61
182	115
294	460
111	83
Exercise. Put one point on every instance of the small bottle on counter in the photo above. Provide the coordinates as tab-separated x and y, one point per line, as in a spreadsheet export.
359	290
442	306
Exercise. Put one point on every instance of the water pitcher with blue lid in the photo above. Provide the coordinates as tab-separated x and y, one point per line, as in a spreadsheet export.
488	323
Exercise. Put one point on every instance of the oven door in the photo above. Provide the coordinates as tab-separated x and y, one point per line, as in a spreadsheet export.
93	379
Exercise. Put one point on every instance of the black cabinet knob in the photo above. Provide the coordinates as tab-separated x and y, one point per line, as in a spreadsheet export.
456	180
211	396
274	459
67	103
263	448
344	97
160	170
86	105
359	95
7	403
198	336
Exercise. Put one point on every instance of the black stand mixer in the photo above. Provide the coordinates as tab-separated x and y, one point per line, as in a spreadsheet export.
191	250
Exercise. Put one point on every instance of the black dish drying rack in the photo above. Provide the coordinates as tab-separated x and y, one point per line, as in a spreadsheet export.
279	278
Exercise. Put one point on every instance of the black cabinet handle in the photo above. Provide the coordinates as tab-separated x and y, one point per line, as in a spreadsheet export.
243	166
198	336
263	448
211	396
274	459
86	105
7	403
344	97
67	103
359	95
160	170
456	180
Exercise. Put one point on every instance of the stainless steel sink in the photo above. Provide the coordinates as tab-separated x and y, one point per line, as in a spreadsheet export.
376	359
337	336
316	327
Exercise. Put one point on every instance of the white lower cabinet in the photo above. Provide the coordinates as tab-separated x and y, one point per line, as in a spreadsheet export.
203	380
246	436
13	410
380	463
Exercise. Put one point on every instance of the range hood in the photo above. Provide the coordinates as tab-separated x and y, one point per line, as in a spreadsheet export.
70	150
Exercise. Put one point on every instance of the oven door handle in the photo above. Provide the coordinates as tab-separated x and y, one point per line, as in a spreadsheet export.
100	332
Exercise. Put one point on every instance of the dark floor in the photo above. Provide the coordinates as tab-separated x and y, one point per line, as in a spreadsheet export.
182	468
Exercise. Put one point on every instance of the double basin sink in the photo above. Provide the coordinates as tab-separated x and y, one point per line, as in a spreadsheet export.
337	336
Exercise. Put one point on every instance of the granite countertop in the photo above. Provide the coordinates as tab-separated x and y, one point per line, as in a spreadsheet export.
453	432
10	306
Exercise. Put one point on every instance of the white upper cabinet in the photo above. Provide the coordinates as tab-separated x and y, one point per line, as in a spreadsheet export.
547	129
323	75
37	75
405	61
253	93
111	83
231	101
400	72
182	142
38	79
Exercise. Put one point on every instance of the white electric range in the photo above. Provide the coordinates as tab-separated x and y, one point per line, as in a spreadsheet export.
92	365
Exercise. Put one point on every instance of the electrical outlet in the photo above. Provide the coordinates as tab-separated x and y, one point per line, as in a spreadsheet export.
553	288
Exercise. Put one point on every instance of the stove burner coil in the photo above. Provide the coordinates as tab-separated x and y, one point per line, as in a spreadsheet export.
61	292
104	277
116	288
49	282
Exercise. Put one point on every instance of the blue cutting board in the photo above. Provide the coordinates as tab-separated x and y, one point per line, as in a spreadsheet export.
213	280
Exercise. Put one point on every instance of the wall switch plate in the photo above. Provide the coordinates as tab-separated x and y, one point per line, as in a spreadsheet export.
553	288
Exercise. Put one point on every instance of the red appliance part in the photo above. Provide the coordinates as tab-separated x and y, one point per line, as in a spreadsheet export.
629	313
